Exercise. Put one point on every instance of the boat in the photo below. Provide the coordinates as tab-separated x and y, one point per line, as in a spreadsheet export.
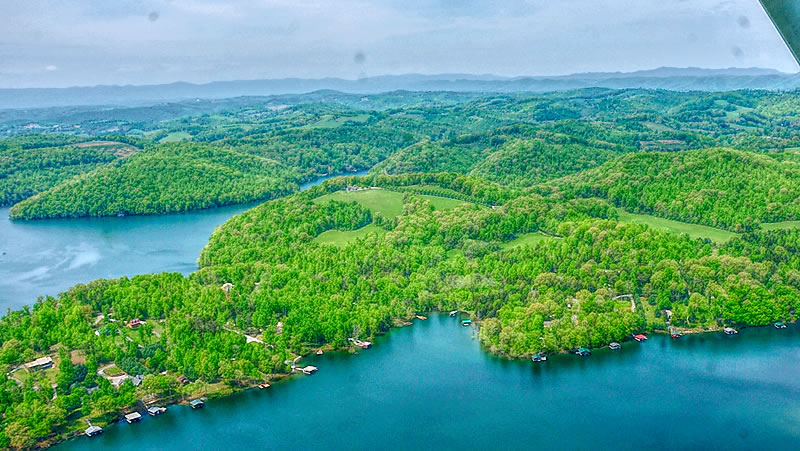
539	357
780	325
615	346
640	337
730	331
133	417
92	431
466	322
421	317
197	403
263	385
583	352
156	411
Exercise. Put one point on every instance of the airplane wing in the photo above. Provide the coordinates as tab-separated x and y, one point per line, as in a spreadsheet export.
785	14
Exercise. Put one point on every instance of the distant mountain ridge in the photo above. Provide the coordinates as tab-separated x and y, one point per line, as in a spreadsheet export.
678	79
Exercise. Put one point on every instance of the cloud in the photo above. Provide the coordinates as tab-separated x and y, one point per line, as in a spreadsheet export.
51	68
155	41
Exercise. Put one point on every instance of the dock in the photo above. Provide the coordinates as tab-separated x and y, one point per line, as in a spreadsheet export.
155	411
309	369
361	344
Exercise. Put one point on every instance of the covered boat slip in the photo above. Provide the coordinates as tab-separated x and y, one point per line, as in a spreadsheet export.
785	14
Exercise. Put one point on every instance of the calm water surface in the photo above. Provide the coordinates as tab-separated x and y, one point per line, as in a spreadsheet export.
45	257
431	386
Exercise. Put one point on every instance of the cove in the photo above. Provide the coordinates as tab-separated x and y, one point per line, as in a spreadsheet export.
432	386
46	257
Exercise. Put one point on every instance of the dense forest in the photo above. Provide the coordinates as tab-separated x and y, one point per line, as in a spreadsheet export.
718	187
517	139
532	242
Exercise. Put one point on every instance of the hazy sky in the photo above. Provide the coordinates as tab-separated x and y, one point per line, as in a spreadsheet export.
87	42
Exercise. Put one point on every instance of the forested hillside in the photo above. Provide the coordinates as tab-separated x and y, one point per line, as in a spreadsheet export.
517	139
31	164
722	188
572	288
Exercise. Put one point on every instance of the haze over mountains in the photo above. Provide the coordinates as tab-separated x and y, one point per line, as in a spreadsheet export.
679	79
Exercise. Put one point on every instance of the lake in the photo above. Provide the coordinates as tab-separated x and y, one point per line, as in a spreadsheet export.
46	257
432	386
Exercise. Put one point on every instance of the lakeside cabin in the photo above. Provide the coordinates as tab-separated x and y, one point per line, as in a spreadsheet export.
640	337
583	352
615	346
42	363
730	331
133	417
466	322
196	404
156	411
93	431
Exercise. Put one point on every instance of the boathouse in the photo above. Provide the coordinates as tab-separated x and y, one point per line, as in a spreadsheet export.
91	431
155	411
615	346
466	322
640	337
197	403
583	352
133	417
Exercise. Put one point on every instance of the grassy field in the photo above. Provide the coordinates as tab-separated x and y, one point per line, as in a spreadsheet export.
331	122
176	136
341	239
525	239
388	203
693	230
781	225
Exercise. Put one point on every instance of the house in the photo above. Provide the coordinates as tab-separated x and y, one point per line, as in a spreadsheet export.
183	380
134	323
42	363
137	380
133	417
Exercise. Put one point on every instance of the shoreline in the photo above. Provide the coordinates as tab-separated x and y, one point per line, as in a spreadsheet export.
228	390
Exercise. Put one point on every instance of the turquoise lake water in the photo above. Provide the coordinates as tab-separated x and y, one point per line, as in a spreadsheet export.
431	386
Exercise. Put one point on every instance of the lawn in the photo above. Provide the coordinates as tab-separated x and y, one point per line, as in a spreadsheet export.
176	136
342	238
693	230
388	203
781	225
525	239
